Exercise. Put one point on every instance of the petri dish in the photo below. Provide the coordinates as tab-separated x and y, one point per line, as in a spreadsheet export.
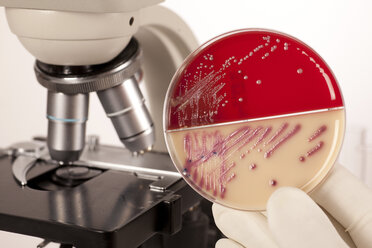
251	111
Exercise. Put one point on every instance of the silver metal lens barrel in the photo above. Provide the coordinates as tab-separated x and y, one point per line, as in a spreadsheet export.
125	106
116	83
67	116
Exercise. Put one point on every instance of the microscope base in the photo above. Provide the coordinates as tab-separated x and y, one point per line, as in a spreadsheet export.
120	207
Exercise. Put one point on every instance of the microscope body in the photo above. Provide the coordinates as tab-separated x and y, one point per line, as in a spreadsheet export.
95	195
78	48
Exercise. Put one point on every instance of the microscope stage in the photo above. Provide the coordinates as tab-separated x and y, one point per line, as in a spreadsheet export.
127	205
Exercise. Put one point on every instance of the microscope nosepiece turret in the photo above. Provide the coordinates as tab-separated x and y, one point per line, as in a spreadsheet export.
117	86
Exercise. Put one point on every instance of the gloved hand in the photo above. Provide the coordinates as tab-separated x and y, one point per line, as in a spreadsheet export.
294	220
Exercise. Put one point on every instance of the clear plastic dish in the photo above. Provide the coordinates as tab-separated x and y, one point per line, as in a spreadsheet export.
251	111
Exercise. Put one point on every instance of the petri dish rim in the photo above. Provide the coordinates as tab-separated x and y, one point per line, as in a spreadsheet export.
189	59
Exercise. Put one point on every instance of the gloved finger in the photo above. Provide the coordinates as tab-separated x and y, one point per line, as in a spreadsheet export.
249	229
227	243
295	220
340	230
350	202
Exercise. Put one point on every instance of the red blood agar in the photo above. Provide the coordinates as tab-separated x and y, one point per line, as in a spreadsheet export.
235	70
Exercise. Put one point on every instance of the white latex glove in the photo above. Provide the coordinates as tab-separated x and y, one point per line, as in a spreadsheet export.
294	220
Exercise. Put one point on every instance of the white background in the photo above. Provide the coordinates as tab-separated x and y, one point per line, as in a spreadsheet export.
339	30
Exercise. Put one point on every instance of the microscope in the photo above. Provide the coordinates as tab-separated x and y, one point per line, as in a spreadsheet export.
68	188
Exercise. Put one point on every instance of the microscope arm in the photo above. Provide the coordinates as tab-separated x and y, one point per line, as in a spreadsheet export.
165	40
